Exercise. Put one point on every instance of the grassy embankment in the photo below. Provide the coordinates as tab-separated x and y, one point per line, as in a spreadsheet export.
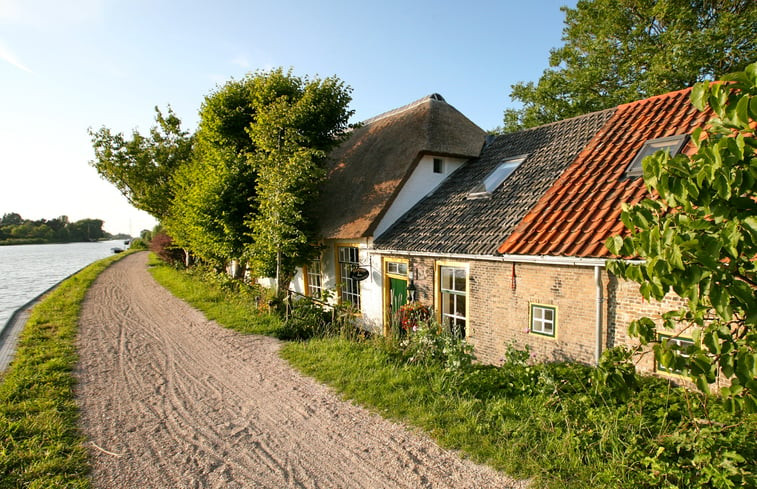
40	446
544	422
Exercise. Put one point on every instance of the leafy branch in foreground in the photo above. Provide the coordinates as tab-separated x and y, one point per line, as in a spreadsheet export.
698	238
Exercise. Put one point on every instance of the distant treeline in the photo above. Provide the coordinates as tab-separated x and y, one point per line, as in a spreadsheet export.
14	229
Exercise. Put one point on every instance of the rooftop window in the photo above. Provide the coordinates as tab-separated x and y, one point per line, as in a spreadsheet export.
495	178
672	144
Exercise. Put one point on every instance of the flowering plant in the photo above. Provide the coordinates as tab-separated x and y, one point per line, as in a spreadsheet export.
411	314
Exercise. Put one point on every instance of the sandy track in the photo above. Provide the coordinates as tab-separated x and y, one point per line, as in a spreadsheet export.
180	402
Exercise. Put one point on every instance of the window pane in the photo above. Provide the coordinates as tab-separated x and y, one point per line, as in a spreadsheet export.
447	278
460	305
460	280
548	314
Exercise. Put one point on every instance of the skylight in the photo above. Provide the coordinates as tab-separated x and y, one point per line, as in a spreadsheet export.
671	144
495	178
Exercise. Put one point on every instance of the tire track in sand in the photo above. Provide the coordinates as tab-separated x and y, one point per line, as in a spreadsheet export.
184	403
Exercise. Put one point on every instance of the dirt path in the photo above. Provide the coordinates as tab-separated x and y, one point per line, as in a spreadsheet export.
171	400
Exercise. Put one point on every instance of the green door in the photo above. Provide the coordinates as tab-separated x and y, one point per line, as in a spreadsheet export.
397	294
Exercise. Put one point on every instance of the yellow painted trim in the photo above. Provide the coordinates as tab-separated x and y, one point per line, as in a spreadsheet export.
438	291
385	305
305	280
531	321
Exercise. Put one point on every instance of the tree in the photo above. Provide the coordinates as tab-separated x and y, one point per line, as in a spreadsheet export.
215	192
257	162
11	219
618	51
698	238
292	134
142	167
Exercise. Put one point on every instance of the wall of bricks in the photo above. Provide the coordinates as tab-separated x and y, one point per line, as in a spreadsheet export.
500	294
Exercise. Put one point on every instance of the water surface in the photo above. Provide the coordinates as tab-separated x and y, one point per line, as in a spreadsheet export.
28	270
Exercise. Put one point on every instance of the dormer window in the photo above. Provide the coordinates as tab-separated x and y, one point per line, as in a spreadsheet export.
495	178
438	165
672	144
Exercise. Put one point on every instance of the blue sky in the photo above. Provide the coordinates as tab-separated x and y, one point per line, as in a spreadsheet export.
68	66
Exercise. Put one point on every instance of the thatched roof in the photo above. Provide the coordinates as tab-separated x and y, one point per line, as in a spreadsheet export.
367	171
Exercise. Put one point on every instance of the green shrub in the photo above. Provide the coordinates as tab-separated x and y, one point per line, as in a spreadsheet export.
429	342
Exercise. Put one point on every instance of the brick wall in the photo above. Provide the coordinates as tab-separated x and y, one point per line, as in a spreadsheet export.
500	294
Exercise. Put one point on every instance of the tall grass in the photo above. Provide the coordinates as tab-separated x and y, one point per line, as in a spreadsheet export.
40	445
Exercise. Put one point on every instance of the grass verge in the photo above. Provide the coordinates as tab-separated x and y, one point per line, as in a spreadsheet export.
40	445
544	422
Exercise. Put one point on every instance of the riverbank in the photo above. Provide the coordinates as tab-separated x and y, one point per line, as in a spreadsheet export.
41	443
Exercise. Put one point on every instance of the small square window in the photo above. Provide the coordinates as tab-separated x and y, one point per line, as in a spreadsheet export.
680	346
438	165
672	144
543	319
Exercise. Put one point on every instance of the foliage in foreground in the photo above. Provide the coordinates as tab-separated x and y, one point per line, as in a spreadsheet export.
545	421
40	446
698	238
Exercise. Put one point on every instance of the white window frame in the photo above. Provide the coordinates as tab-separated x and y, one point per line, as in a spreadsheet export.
539	321
437	166
396	268
496	177
680	342
673	145
348	257
453	317
315	278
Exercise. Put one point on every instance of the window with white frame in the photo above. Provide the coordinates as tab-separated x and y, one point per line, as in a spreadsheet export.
315	283
671	144
679	346
396	268
350	288
543	319
453	283
494	179
438	165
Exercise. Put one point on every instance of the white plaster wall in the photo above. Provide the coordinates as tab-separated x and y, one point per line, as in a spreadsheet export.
422	181
298	282
371	294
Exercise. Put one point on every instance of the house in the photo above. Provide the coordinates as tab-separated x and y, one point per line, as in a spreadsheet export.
505	242
572	221
386	166
449	240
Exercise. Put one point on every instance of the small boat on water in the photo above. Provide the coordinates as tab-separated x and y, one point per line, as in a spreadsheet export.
116	250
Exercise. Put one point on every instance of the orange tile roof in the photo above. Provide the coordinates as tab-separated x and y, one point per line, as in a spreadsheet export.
582	208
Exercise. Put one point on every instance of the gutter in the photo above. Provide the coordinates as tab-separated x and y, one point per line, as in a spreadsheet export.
541	259
598	319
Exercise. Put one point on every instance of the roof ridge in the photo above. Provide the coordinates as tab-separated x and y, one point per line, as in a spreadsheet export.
404	108
675	93
562	121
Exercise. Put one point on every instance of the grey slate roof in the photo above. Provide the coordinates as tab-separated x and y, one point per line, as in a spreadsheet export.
447	222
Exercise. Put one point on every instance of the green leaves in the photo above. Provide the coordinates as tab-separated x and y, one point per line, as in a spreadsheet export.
618	51
699	239
142	168
249	191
